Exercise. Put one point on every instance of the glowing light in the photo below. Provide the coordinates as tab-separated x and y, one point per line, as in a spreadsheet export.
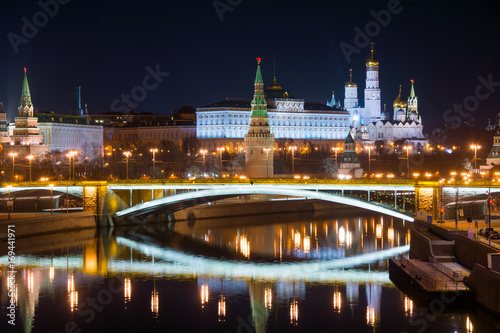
221	308
468	325
370	315
73	300
341	236
390	234
259	59
244	246
155	303
307	244
204	295
294	313
378	231
408	307
127	289
31	281
296	239
268	298
51	274
337	301
72	293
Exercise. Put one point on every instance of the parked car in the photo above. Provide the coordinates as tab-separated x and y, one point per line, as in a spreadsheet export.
487	232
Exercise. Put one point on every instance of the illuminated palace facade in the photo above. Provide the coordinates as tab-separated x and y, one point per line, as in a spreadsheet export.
226	122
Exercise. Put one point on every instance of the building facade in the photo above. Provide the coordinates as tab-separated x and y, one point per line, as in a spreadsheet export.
226	122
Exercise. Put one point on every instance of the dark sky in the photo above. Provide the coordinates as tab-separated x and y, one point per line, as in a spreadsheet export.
105	47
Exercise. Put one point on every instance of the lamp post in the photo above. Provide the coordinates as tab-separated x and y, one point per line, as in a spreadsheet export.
369	148
203	152
74	154
8	208
267	150
407	148
220	150
293	149
13	163
51	201
336	149
70	154
453	173
127	155
154	151
30	157
475	147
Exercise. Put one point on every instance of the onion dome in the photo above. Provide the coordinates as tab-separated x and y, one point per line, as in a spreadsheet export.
350	83
372	61
399	102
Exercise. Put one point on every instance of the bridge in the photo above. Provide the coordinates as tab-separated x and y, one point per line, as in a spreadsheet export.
329	193
122	199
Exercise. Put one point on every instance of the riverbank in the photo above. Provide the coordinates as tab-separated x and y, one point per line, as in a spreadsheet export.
34	224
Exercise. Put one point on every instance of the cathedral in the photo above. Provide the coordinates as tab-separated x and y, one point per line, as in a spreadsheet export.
370	123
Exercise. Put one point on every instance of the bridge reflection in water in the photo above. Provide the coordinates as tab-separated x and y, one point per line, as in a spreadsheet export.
277	266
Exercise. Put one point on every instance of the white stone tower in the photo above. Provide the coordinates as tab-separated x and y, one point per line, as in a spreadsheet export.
351	93
372	111
259	141
413	114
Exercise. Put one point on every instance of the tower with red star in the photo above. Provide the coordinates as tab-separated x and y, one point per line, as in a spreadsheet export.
259	141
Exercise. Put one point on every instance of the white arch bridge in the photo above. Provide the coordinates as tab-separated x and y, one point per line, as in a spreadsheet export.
360	196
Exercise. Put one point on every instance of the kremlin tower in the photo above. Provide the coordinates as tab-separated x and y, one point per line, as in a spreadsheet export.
26	138
259	141
372	110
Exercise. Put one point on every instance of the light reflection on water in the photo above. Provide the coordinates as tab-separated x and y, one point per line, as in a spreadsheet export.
303	275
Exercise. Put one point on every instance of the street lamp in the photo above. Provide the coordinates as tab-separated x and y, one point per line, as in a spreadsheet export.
30	157
475	147
71	155
369	148
267	150
51	201
407	148
203	152
293	149
336	149
127	154
13	157
453	173
8	202
154	151
220	150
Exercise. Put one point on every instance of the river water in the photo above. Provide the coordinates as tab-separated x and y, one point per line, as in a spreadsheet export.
269	273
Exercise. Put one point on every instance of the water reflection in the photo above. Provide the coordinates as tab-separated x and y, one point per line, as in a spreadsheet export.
323	270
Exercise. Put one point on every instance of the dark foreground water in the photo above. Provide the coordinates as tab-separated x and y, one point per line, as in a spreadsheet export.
274	273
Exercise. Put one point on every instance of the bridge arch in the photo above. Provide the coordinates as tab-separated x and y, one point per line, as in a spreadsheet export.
180	201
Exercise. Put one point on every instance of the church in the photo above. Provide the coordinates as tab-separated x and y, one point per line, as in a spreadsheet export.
370	123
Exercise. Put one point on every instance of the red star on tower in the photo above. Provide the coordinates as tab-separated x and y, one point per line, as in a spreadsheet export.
259	59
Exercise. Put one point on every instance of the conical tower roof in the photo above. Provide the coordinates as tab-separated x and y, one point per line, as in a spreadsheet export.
412	91
25	93
259	104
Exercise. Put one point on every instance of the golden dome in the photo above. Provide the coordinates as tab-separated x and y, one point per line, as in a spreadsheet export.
399	102
274	85
372	61
350	83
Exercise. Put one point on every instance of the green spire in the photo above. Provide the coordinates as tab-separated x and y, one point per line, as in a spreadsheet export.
259	104
25	94
258	75
412	92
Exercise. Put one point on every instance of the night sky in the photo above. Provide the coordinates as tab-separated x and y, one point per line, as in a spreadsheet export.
105	47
